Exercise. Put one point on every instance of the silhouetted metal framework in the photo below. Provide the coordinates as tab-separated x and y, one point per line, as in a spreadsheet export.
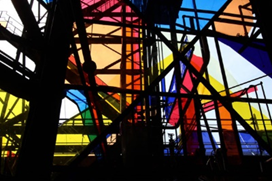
151	90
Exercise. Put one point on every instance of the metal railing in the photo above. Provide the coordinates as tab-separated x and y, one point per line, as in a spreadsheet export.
10	23
86	3
107	5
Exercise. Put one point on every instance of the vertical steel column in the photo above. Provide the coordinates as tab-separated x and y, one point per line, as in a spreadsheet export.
268	110
198	108
145	70
254	121
83	81
89	67
226	86
147	78
125	130
132	52
178	79
123	59
155	129
261	112
38	143
220	132
149	40
147	73
207	126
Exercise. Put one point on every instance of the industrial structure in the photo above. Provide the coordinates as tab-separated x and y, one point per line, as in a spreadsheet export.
121	90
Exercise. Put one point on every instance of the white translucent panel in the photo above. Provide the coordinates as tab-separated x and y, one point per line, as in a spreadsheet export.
68	110
216	138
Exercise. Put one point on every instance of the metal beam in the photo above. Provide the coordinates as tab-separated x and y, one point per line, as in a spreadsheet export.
28	19
168	94
128	110
110	40
29	48
212	90
46	97
14	83
109	14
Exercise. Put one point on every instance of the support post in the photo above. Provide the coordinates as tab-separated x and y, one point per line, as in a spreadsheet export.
37	149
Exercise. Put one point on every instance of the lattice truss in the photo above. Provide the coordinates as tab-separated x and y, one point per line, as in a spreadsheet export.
197	70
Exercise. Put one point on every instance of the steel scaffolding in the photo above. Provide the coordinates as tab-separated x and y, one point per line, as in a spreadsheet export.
150	88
